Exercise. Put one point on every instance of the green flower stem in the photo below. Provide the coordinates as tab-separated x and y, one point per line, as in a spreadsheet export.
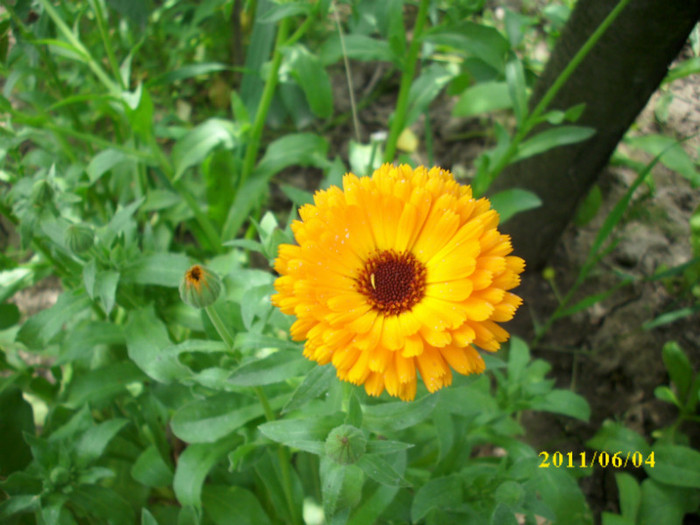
79	47
251	153
99	16
533	118
301	31
221	328
409	69
282	454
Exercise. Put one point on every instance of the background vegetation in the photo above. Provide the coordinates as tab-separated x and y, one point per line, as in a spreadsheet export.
138	138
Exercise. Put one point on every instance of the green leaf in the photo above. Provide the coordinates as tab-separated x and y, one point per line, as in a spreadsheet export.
552	138
103	503
316	383
103	162
140	112
690	66
249	340
161	269
672	155
630	496
661	504
481	41
373	505
470	400
381	471
94	441
207	420
82	340
20	503
278	12
226	505
359	47
303	149
307	434
482	98
564	402
518	358
188	71
195	463
39	329
614	437
151	469
268	471
196	145
103	383
105	288
560	492
425	89
665	394
615	519
147	518
588	208
309	74
390	417
17	418
438	493
159	199
341	487
675	465
511	202
679	368
275	368
146	339
517	89
671	317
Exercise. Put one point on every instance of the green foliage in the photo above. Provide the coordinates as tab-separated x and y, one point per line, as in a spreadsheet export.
671	489
132	147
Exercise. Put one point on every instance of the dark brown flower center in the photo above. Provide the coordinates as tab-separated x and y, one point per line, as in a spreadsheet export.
392	282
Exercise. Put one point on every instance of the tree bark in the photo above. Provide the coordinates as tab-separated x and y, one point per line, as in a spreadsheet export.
615	82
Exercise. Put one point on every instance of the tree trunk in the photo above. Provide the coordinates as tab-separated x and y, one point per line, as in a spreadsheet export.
615	82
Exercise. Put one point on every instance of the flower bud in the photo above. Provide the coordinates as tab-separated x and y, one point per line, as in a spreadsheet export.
200	287
79	238
345	444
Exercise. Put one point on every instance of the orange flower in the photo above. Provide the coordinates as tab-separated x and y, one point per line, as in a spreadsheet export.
399	272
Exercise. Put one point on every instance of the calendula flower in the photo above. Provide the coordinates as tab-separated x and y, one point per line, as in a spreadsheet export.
400	273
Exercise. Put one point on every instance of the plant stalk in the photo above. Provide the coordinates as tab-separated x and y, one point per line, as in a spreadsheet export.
409	69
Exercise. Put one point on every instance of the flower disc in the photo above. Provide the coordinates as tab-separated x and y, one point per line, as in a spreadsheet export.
401	272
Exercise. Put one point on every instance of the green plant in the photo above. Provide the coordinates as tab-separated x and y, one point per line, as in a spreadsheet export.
670	490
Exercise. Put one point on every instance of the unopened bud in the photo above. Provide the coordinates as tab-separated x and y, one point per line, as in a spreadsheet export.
79	238
200	287
345	444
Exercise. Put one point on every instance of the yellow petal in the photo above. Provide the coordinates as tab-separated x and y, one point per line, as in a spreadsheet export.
391	381
360	370
450	290
477	309
379	358
457	359
437	338
413	346
392	334
433	370
405	368
374	385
